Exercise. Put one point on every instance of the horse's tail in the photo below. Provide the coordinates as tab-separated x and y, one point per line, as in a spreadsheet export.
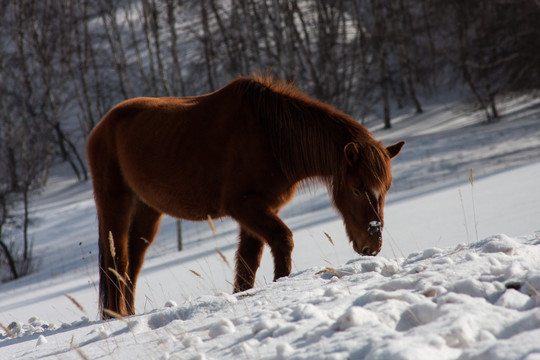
103	287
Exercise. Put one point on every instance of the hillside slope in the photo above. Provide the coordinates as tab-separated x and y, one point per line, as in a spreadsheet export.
444	281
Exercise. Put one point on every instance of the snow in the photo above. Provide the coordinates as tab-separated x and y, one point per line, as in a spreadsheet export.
457	278
473	301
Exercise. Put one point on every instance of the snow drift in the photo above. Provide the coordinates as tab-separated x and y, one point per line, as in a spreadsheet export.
475	301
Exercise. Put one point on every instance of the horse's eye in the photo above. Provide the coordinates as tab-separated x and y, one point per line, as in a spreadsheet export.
356	192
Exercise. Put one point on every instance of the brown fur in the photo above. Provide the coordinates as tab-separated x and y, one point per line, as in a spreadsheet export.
240	151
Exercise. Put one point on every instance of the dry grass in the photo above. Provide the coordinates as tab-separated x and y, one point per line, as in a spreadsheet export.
211	223
464	216
114	314
118	276
327	270
223	257
329	239
76	303
111	245
77	349
8	331
471	180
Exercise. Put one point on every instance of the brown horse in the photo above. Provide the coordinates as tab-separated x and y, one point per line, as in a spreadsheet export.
240	151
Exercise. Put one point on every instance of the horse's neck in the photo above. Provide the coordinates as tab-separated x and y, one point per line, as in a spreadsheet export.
307	137
320	157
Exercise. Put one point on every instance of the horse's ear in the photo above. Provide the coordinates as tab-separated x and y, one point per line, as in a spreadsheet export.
394	149
351	153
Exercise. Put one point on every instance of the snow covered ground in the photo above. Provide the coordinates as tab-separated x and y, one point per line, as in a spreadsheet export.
458	277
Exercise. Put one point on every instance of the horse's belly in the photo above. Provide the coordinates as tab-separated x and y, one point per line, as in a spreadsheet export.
186	203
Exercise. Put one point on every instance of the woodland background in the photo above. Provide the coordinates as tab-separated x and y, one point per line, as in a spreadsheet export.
65	63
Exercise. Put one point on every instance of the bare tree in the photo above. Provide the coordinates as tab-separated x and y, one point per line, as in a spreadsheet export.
64	63
116	46
208	46
5	242
177	80
27	158
78	57
37	82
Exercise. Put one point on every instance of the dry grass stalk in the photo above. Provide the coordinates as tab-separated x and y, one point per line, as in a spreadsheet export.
222	255
75	302
8	331
471	180
118	276
114	314
536	293
78	349
329	239
145	240
328	270
111	245
464	216
196	273
211	223
413	315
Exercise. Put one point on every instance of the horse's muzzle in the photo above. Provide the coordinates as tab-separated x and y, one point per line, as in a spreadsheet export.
369	250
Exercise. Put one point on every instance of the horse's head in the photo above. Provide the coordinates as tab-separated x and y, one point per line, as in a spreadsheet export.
360	193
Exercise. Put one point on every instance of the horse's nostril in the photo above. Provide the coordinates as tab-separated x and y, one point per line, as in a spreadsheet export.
374	227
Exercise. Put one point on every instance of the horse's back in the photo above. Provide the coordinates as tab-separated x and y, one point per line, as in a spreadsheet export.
188	157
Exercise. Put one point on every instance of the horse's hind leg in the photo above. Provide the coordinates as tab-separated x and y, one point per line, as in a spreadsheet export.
248	259
114	202
142	231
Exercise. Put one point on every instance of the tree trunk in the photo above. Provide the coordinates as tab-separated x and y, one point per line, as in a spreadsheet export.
384	90
208	49
4	246
176	69
11	261
154	27
26	222
179	234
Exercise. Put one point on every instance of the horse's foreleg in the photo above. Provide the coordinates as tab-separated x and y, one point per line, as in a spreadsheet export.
259	219
142	231
248	259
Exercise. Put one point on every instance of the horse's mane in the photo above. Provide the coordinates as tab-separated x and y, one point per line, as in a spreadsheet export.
309	137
